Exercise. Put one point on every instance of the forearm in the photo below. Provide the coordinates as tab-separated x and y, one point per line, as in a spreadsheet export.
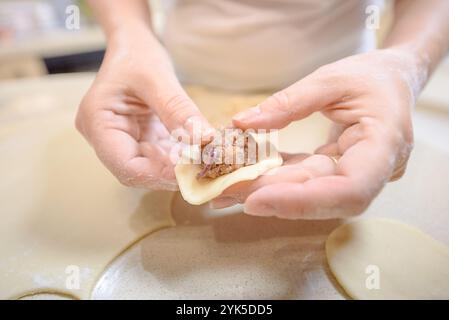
421	28
127	26
117	15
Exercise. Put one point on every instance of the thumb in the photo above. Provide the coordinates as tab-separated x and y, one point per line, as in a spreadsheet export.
178	112
312	93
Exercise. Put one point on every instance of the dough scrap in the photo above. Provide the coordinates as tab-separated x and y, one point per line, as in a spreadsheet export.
60	207
409	263
197	192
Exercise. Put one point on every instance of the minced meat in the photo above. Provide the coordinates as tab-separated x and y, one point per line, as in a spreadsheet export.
227	154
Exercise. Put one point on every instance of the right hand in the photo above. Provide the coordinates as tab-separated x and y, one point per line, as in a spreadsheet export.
133	104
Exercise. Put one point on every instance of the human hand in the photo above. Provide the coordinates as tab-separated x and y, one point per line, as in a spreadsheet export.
369	97
133	104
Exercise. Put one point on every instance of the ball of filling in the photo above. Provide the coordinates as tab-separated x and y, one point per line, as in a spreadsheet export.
230	150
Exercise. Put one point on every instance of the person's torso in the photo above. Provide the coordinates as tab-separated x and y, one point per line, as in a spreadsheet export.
249	45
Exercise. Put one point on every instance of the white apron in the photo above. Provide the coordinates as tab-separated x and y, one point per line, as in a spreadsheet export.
253	45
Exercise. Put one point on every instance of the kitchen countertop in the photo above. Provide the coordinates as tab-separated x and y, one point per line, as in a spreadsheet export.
220	240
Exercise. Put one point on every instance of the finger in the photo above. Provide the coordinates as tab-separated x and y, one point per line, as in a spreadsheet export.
306	96
303	201
162	164
292	158
292	171
223	202
348	136
360	174
399	171
132	163
335	131
178	112
330	149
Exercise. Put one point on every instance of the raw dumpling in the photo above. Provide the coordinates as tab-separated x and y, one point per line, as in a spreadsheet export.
197	192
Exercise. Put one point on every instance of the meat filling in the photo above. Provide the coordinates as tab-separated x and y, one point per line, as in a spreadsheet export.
233	150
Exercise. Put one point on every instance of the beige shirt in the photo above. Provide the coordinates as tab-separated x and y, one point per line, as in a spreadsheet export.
250	45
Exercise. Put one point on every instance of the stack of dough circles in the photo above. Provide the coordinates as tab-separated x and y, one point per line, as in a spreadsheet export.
385	259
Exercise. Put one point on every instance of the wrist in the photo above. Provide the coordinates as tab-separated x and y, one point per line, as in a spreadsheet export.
412	66
136	40
136	47
128	31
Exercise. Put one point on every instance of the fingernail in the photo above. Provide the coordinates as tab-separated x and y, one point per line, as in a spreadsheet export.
248	114
193	124
198	129
261	210
221	203
209	132
208	135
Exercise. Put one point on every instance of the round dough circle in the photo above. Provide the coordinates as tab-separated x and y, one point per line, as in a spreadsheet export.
385	259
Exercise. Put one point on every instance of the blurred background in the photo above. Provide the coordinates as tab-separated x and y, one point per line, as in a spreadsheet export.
39	37
34	39
41	44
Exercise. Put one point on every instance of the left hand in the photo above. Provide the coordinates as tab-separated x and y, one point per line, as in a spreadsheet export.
369	97
133	106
